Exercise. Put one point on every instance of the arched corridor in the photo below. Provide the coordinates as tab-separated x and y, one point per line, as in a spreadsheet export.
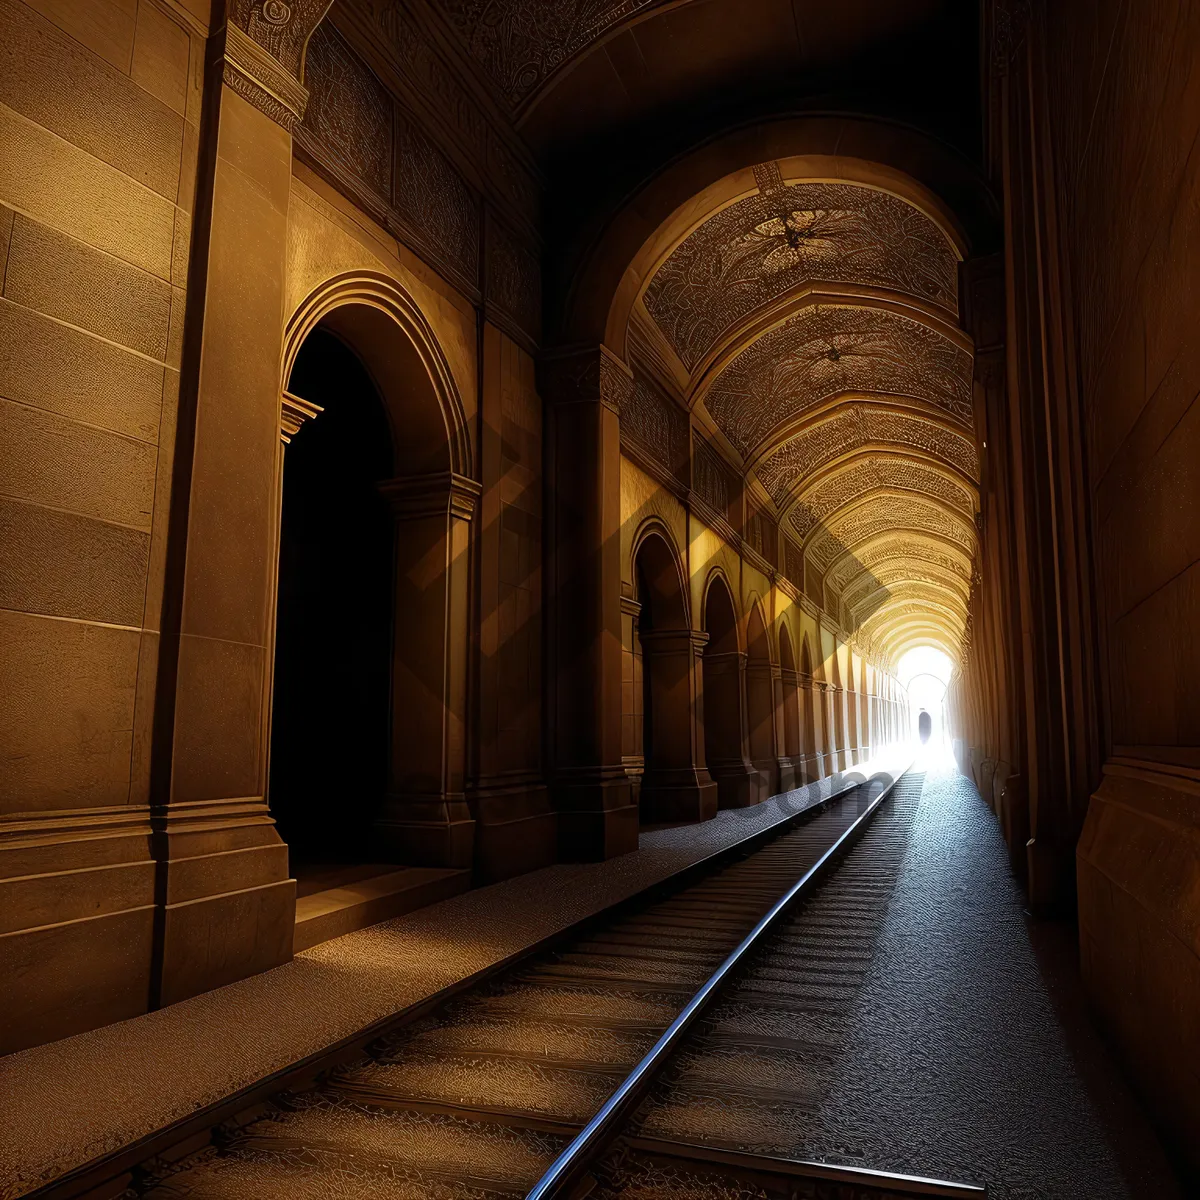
545	486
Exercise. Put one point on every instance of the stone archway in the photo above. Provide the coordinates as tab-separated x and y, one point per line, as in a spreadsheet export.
760	701
839	750
791	759
675	785
811	746
724	662
422	817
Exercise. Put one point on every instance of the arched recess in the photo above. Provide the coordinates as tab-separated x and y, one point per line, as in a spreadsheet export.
330	733
808	716
430	499
791	761
760	700
853	741
864	703
837	748
675	785
738	784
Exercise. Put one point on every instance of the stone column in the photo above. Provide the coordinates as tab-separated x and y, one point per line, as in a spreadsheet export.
791	758
819	753
425	818
738	783
226	906
583	390
676	786
762	735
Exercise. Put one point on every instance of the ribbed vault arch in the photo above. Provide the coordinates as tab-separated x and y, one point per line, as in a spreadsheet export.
809	321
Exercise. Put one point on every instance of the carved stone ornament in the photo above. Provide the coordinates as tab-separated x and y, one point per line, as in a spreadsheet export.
349	111
262	54
657	424
281	27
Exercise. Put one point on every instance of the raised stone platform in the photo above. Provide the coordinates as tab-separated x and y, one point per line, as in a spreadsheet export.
83	1098
337	901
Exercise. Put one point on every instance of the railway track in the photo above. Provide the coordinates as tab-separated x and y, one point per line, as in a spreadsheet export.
675	1049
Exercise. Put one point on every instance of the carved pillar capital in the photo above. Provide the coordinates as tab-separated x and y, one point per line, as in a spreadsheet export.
443	492
674	641
261	50
586	376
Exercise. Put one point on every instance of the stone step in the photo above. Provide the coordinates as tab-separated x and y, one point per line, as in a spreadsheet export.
366	899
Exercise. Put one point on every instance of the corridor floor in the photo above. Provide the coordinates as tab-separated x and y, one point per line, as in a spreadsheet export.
974	1058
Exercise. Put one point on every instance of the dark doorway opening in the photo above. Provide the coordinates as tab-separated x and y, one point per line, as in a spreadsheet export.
330	728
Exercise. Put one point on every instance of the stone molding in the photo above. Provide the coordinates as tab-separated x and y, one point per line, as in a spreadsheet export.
260	79
281	28
293	413
441	493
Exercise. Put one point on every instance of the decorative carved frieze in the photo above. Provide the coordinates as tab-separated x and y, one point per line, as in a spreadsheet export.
764	246
760	534
513	287
828	351
657	425
374	152
434	203
712	479
793	561
411	50
349	111
421	70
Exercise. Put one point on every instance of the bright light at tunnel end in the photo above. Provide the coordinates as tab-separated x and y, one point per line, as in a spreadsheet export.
925	671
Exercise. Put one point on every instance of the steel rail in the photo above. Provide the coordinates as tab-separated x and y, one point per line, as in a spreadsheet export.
566	1169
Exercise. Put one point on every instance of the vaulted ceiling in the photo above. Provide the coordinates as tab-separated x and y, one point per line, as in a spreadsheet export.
807	316
811	326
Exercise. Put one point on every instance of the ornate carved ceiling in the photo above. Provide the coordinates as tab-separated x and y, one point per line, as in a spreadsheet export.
812	324
827	352
769	244
521	43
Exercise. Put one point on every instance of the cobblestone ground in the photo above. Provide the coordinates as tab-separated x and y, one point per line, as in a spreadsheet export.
974	1058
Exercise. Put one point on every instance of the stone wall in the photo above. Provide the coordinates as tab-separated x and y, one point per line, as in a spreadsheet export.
99	113
1125	115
